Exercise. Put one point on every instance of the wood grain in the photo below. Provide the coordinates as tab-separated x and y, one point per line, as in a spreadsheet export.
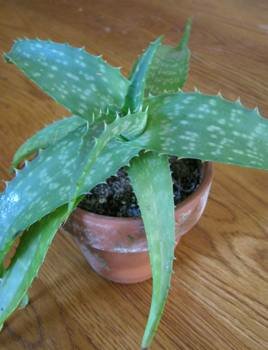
219	294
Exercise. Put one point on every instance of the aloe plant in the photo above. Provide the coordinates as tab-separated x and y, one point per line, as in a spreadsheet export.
136	122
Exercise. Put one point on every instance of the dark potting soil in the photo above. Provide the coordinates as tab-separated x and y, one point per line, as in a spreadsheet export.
116	196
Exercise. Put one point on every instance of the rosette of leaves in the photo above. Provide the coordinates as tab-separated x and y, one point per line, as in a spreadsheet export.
115	121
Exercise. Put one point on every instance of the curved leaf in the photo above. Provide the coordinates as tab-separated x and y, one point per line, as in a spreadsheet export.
46	137
193	125
151	180
31	194
83	83
26	262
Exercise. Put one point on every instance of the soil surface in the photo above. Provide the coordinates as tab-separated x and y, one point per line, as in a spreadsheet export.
116	196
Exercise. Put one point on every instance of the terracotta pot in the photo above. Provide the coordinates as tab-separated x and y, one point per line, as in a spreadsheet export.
116	248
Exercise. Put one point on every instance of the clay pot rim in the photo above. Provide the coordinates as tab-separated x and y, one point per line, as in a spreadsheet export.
207	174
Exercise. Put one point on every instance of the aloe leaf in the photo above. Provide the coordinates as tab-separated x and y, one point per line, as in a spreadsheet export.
46	137
29	256
194	125
151	180
169	69
135	93
130	124
31	194
81	82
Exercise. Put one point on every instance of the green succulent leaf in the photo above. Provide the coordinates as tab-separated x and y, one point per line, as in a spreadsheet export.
135	94
130	124
169	69
31	194
46	137
193	125
83	83
29	256
151	180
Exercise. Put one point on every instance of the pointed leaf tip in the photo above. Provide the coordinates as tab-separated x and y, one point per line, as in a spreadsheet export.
79	81
186	34
25	264
159	226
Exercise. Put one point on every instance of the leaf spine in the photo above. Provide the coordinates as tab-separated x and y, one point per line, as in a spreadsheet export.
238	101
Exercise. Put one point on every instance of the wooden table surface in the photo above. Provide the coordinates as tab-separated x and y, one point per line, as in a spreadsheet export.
219	293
